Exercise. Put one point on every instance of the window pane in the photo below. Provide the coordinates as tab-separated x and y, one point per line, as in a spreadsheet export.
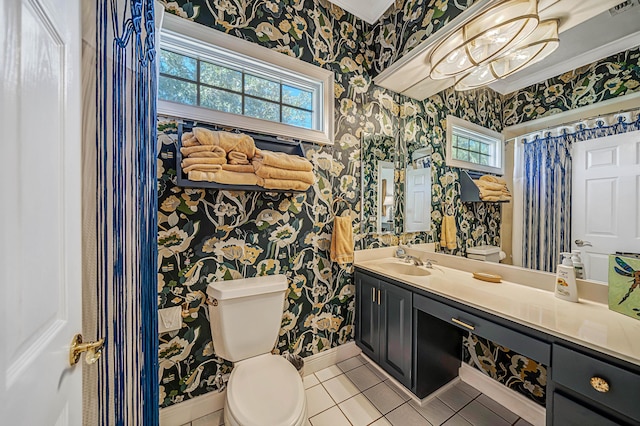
296	117
474	157
463	155
262	88
221	100
261	109
484	148
218	76
174	90
474	146
484	160
178	65
463	142
297	97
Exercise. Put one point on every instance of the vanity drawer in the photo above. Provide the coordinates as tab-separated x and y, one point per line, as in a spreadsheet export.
569	413
514	340
575	370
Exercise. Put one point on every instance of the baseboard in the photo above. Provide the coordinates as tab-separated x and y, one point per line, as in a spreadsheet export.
191	409
200	406
324	359
508	398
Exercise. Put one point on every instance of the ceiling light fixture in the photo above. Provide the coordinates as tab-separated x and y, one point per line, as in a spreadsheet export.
484	38
539	44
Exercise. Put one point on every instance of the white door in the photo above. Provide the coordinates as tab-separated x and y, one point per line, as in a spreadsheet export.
606	199
417	200
40	176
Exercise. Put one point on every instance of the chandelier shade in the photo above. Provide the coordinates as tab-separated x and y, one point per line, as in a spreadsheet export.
484	38
539	44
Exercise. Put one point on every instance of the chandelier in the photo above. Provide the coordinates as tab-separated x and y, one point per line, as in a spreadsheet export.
500	41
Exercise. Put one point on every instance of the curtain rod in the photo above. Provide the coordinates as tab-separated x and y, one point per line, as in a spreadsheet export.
573	122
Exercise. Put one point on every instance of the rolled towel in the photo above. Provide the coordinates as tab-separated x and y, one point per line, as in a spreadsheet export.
237	158
268	172
188	139
342	240
226	177
282	160
203	168
215	150
491	198
294	185
190	161
241	168
228	141
487	193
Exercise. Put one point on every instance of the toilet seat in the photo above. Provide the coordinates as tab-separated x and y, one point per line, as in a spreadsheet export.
265	390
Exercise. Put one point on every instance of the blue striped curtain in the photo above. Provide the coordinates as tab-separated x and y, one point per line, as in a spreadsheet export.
126	215
547	201
547	190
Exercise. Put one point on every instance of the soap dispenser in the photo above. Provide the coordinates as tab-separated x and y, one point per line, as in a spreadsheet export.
566	280
578	266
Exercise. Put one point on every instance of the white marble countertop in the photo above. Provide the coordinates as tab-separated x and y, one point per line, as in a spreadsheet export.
587	323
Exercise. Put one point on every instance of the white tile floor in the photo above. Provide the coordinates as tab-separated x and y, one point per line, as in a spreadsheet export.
355	393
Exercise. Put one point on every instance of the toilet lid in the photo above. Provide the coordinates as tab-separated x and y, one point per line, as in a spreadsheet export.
265	390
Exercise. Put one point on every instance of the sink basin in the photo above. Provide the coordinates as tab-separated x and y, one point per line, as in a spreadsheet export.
404	269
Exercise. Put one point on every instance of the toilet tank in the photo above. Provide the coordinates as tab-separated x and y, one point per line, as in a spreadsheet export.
246	315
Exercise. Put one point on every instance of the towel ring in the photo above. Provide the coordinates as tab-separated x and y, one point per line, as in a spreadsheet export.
334	206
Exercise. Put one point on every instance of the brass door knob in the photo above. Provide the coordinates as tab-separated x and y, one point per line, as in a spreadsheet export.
599	384
93	350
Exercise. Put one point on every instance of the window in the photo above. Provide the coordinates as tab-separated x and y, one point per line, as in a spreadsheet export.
473	147
211	76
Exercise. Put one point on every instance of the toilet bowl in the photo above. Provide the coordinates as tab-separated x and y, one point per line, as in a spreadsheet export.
263	389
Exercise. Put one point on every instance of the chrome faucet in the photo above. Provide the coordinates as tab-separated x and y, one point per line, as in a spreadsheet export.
428	263
416	261
401	253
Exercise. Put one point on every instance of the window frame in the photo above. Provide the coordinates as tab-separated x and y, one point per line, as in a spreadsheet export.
187	38
457	126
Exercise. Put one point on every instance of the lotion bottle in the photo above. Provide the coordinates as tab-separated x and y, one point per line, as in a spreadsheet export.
566	280
577	264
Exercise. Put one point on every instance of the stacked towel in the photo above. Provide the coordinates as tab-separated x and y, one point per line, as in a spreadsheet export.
238	142
448	232
224	176
493	188
205	154
342	240
278	170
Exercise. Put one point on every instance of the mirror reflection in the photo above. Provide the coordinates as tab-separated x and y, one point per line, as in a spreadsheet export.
417	191
378	155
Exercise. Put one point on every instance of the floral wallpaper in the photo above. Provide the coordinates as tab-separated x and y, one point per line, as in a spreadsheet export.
515	371
407	24
617	75
208	235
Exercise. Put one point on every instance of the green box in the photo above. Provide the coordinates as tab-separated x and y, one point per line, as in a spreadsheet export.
624	285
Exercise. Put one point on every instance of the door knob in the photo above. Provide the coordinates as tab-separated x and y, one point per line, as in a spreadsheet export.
581	243
93	350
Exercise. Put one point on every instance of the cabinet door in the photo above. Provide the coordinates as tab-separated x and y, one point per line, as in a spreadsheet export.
367	326
395	332
569	413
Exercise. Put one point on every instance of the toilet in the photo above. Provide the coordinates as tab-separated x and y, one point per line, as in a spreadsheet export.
263	389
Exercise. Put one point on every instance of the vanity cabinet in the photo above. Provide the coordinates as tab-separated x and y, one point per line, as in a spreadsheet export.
596	385
384	325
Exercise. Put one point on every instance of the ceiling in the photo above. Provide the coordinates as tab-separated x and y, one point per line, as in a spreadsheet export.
592	40
368	10
588	32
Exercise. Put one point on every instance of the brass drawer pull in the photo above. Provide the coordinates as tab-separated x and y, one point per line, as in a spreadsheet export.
463	324
599	384
373	295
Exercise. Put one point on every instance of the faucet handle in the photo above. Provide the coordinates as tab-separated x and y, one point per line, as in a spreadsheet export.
428	263
401	252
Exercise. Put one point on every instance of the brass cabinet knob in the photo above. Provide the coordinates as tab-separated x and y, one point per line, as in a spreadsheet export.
599	384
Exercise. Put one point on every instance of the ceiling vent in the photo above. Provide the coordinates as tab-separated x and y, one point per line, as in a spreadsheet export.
623	7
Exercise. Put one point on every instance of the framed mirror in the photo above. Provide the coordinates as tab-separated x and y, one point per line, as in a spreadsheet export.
377	174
